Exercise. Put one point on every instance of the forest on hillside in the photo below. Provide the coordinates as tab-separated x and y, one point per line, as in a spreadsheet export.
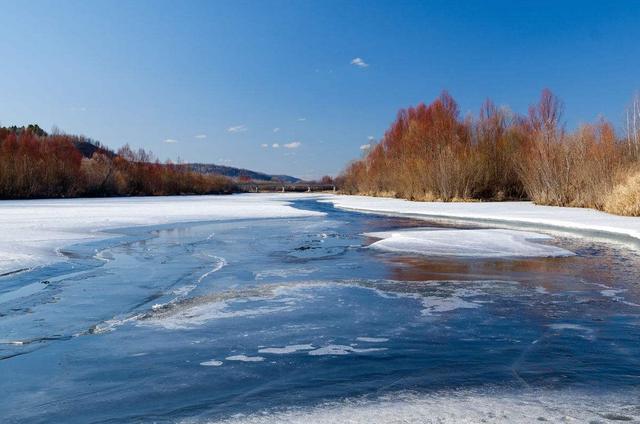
34	164
431	153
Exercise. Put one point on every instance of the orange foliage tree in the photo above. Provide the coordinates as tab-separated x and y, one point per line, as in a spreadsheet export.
430	153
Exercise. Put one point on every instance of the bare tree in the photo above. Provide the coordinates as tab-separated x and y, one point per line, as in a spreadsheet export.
633	125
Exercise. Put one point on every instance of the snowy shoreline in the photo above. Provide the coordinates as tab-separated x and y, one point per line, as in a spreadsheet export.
520	215
33	231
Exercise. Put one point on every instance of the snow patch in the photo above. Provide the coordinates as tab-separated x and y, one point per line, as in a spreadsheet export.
287	349
245	358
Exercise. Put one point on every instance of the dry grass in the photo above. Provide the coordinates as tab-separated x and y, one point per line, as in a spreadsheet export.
625	197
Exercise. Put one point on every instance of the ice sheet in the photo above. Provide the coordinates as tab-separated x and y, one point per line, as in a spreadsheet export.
33	231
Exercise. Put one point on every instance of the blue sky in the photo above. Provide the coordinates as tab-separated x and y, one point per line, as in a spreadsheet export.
215	81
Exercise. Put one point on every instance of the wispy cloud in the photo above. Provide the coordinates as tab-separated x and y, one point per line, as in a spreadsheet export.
276	129
365	147
371	138
263	145
356	61
200	136
170	140
237	129
293	145
275	145
302	119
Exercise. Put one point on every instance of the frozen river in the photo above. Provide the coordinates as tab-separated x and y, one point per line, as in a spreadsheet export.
296	319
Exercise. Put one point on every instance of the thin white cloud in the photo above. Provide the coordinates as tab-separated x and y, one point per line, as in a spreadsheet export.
293	145
302	119
200	136
356	61
276	129
371	138
170	140
275	145
264	145
237	129
365	147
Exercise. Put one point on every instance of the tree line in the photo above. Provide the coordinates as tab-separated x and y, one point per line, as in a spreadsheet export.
34	164
431	153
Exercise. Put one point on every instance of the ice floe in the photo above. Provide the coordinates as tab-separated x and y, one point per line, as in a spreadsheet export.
211	363
286	349
245	358
482	243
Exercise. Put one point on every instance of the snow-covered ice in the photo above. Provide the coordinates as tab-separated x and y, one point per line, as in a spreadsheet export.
514	214
490	243
33	231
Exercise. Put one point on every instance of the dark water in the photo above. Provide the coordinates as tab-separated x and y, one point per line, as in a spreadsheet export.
246	320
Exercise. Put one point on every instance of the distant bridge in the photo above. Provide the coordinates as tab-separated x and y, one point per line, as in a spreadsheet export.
274	187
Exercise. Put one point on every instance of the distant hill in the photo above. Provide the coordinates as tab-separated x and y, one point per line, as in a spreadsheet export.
88	147
237	173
